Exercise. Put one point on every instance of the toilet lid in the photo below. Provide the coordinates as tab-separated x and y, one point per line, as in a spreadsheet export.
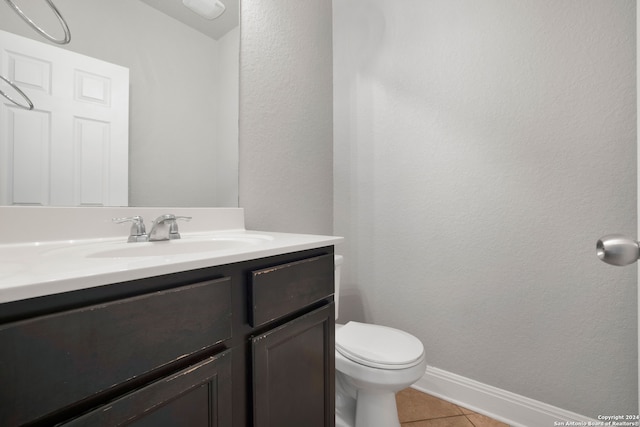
378	346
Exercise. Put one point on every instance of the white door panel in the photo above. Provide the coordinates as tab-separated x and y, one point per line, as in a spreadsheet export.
29	132
72	149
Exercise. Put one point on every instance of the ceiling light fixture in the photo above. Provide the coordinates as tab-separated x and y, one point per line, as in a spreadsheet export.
209	9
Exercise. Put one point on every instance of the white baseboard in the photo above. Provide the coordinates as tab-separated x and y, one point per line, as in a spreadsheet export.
501	405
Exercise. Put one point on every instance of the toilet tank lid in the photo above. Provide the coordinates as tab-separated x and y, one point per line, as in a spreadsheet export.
378	346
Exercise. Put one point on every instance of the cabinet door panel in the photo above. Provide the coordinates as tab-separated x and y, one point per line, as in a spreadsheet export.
293	368
198	396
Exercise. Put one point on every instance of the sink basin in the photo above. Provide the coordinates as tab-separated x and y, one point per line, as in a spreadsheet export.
188	245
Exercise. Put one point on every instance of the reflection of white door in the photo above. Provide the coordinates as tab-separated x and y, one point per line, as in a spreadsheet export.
72	149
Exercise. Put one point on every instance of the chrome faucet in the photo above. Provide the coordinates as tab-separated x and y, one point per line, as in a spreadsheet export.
165	227
138	233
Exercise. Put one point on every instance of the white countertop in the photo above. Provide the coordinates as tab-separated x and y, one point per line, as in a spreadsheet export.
30	269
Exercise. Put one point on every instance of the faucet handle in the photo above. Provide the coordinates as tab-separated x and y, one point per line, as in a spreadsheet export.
138	232
173	226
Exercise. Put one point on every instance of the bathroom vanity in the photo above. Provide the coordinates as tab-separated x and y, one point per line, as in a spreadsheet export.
237	336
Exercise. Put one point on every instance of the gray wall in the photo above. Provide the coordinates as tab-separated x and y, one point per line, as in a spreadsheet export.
481	148
286	115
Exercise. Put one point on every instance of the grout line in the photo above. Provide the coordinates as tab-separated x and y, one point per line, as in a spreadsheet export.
436	418
465	415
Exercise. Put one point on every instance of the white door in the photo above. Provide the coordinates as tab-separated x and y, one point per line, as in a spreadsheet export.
72	149
621	250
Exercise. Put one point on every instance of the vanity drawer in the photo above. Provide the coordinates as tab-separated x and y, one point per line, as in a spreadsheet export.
282	289
68	356
197	396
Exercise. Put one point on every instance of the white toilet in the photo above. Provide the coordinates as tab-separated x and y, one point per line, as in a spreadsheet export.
372	364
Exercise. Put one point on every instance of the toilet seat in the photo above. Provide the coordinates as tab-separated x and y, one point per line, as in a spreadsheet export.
378	346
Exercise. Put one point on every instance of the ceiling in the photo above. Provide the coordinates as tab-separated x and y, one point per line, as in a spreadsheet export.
213	28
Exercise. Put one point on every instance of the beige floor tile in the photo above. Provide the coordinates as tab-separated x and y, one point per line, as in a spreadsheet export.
459	421
414	406
479	420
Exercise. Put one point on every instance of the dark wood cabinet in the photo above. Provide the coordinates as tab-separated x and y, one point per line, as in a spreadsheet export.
293	368
238	345
71	355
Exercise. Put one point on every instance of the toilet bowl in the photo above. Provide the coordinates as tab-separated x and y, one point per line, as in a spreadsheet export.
373	363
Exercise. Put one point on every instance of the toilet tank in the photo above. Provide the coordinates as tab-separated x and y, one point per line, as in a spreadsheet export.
337	265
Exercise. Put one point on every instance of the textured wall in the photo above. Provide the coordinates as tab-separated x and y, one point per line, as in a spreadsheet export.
481	149
286	115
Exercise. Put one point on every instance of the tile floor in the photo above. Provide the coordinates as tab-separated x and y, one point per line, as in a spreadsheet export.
416	409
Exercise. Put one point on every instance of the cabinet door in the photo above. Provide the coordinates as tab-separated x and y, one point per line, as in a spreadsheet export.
198	396
293	372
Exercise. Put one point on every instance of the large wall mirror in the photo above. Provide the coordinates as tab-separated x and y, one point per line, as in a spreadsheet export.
183	91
